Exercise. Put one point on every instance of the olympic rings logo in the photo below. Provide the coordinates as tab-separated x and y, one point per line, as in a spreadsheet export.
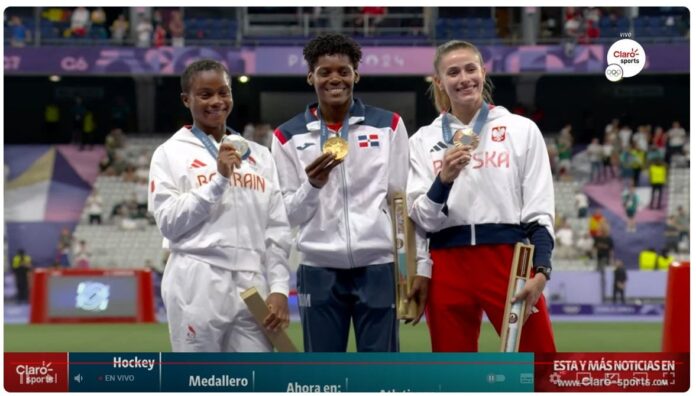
614	72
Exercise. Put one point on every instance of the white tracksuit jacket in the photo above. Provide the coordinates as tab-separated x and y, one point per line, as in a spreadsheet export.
504	195
238	223
347	223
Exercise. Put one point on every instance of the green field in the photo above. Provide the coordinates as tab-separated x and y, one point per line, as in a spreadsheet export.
570	337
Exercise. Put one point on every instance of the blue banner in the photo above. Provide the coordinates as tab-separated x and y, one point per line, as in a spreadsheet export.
301	372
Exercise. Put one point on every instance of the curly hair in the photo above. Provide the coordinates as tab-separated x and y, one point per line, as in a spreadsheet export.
332	44
200	66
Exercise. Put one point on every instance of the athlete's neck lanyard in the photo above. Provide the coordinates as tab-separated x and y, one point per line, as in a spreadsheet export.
206	140
325	130
478	124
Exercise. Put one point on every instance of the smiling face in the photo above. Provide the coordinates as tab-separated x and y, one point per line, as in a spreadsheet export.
461	76
209	99
333	78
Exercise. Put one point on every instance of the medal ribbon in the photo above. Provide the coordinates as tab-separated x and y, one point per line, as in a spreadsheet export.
325	130
478	124
206	140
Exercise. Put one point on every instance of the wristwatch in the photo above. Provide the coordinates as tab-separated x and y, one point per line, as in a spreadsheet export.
546	271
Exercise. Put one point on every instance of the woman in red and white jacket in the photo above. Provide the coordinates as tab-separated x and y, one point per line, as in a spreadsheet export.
475	201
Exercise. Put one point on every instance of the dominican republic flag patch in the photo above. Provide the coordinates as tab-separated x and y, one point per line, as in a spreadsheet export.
368	140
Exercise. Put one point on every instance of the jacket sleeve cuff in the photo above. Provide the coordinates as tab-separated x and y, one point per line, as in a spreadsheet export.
543	245
308	194
424	268
280	287
439	191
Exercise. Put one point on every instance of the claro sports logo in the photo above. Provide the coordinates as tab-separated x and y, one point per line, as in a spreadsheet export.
625	59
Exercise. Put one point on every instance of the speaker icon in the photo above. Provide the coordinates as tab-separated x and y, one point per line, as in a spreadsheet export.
78	378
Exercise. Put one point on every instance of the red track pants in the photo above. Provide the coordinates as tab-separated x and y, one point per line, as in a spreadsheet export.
466	281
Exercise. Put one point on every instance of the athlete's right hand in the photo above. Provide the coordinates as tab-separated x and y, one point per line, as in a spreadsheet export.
455	160
318	171
227	160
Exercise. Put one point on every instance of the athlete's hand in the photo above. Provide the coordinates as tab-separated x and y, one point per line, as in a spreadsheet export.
227	160
279	317
531	292
455	160
419	294
318	171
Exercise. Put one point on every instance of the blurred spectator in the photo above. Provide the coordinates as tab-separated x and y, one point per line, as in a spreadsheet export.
664	259
118	165
637	163
81	255
119	29
585	245
89	126
608	156
658	177
682	220
564	241
625	134
604	246
596	222
641	138
78	115
672	234
79	22
19	34
66	237
612	127
573	24
565	152
659	140
95	207
549	27
595	153
114	141
620	278
372	16
141	190
21	266
629	198
144	31
676	138
98	17
176	29
581	203
129	174
654	155
159	37
52	122
63	254
591	33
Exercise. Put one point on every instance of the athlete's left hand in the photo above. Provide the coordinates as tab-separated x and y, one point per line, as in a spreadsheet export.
419	294
279	317
531	292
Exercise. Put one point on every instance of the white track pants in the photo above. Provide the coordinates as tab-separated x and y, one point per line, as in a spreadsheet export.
205	311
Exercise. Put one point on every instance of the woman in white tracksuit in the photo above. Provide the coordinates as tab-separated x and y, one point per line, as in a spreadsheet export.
475	201
223	218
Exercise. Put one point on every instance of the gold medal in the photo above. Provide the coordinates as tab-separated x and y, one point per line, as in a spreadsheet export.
336	146
463	137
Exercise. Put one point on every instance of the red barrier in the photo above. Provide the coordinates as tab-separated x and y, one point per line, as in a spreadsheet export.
675	336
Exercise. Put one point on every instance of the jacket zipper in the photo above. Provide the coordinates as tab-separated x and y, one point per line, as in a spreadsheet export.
345	213
473	235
